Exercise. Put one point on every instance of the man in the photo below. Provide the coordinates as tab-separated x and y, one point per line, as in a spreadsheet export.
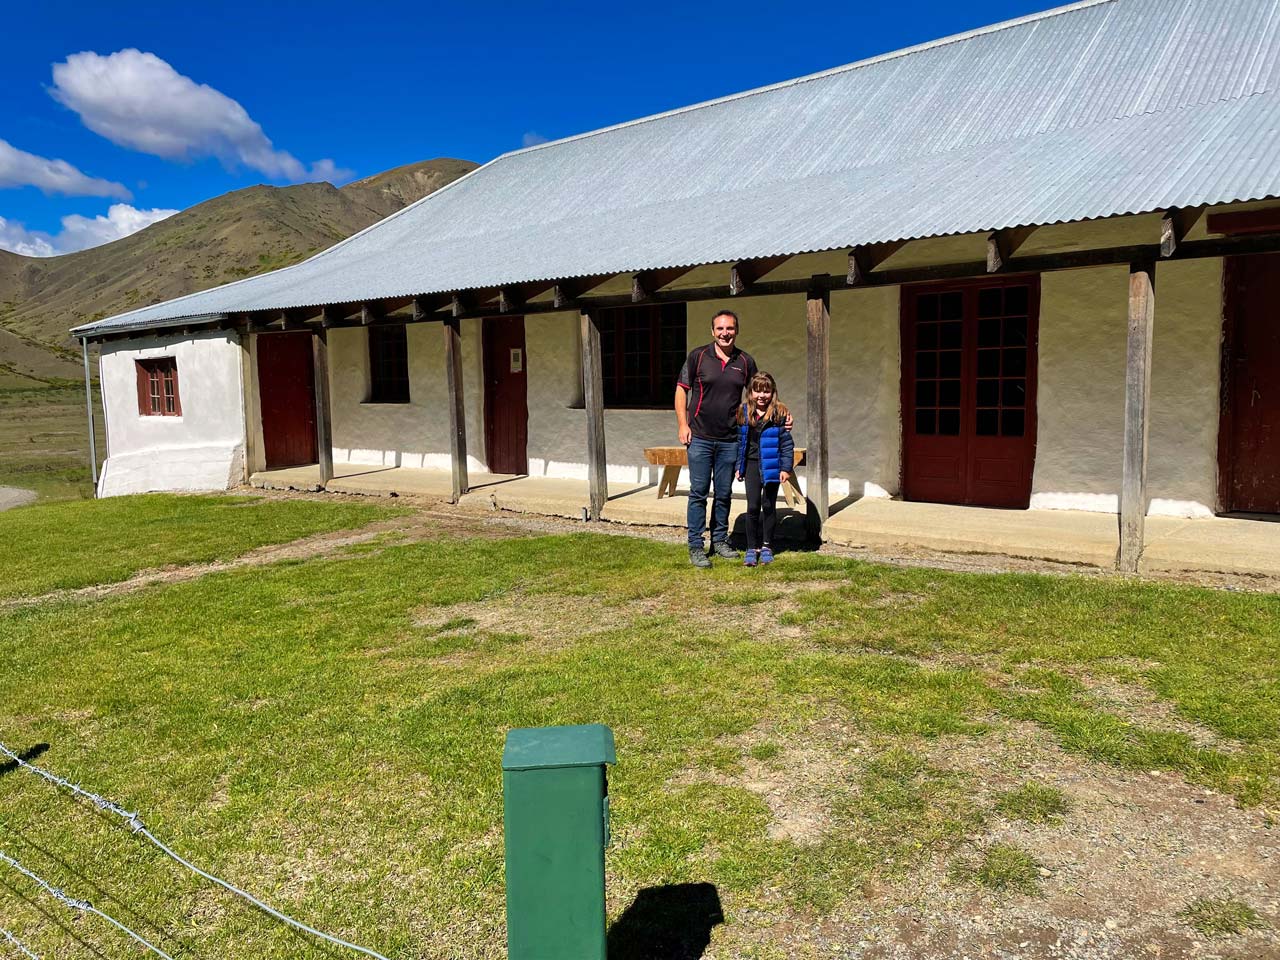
708	394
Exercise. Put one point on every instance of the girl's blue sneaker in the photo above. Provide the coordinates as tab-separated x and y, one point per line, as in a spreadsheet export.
766	555
750	559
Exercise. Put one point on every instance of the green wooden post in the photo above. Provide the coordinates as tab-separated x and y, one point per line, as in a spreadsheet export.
556	826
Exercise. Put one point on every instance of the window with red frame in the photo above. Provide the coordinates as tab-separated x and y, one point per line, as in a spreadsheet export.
158	387
642	349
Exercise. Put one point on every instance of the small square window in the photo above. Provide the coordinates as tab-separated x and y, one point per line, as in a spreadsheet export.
158	387
925	420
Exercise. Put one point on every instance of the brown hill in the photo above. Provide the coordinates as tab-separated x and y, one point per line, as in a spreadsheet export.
232	236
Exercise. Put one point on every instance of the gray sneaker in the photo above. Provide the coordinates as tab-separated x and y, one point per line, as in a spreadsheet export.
698	557
722	549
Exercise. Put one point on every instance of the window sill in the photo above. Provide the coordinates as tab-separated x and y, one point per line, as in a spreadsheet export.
386	403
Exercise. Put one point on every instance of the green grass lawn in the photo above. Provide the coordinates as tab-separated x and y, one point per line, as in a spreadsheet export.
328	732
74	544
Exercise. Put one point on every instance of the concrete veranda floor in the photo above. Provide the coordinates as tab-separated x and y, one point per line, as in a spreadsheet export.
1218	545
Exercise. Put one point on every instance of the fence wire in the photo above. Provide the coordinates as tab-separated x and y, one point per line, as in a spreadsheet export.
135	824
18	945
81	905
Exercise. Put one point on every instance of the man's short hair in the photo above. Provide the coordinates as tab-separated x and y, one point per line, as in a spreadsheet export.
726	313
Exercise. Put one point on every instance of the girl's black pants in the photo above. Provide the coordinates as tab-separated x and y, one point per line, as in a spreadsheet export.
761	508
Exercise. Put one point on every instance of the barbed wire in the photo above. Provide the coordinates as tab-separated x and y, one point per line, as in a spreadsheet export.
18	944
82	905
135	824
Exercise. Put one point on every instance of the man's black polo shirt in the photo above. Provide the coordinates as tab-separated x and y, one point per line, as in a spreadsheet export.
715	390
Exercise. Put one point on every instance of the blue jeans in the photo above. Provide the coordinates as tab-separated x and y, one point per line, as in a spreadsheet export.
708	459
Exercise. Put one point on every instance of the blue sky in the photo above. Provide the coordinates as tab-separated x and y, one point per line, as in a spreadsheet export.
157	106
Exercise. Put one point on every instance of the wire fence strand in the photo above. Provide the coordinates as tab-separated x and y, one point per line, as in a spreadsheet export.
18	945
81	905
135	824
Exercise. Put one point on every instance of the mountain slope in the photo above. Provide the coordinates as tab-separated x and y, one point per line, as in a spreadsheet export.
232	236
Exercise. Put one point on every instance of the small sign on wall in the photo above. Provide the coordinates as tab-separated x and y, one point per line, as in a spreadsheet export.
517	360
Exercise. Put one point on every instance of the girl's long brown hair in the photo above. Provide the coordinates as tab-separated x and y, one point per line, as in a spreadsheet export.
776	412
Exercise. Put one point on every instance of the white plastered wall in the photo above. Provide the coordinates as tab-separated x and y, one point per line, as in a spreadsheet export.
1080	402
413	434
201	450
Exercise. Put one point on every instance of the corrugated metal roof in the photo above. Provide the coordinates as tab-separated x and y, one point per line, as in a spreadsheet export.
1100	108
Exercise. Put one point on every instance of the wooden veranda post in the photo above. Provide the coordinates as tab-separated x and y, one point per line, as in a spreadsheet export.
818	314
457	408
324	428
1137	401
593	393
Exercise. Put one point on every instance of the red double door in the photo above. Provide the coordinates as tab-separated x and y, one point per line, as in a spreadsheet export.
969	390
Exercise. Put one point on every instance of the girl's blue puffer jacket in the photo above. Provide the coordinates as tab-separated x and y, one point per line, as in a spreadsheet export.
777	451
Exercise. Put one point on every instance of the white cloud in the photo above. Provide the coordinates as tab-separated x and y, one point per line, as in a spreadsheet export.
29	243
139	101
21	169
78	232
532	138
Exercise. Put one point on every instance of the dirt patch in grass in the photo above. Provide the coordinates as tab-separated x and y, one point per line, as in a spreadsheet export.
1119	864
1141	706
1113	874
548	619
797	773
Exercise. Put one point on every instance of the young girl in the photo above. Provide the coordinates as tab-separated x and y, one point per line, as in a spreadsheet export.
765	460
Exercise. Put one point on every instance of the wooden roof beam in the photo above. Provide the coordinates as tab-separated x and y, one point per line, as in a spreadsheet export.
648	282
462	302
424	308
1003	244
371	313
863	259
745	273
567	292
512	299
1175	225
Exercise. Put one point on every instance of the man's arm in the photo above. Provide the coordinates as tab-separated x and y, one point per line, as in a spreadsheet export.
682	415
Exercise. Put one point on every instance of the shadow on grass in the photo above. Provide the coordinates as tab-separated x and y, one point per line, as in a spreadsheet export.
667	923
27	755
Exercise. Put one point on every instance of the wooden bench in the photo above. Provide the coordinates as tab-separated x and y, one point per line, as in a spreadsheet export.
671	459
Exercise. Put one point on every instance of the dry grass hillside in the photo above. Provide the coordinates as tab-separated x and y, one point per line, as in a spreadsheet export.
232	236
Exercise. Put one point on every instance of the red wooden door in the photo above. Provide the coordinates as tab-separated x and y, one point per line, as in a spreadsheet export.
286	395
968	391
1250	430
506	410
